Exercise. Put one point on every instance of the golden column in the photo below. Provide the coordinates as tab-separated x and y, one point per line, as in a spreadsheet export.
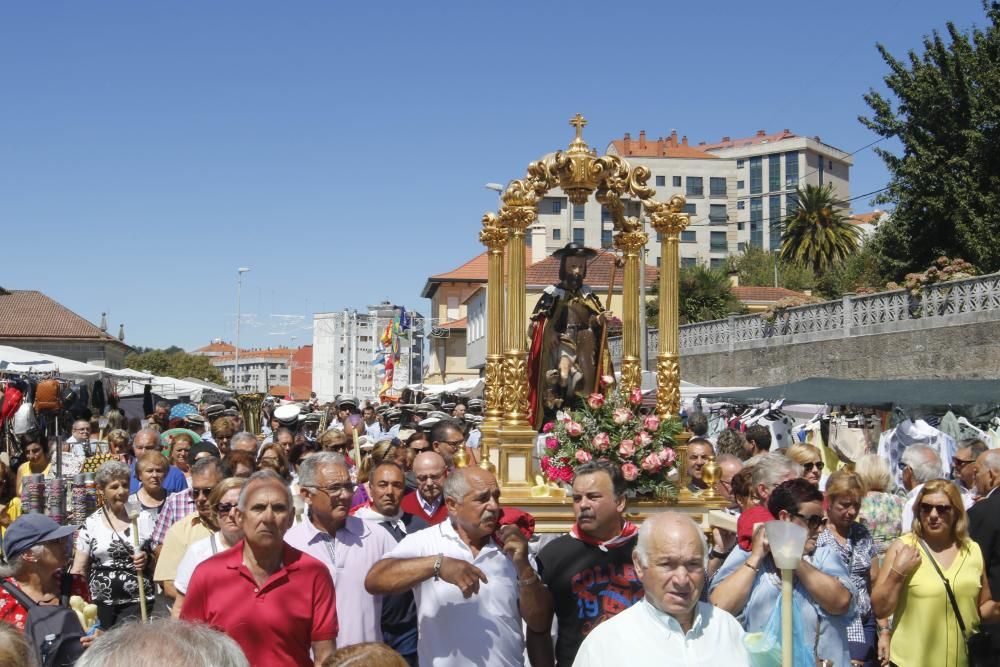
630	241
494	237
670	221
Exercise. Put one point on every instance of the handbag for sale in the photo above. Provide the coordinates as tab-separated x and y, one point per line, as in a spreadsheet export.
48	396
978	645
849	443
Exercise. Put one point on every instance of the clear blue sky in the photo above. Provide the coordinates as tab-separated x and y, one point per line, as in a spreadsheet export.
148	149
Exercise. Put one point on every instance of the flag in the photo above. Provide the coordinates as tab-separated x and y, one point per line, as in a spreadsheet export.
404	319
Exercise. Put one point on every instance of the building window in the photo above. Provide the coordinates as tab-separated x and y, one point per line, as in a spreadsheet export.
739	164
578	235
717	242
557	235
791	204
740	185
661	181
605	238
742	247
677	181
659	237
717	214
757	222
633	209
774	225
773	173
689	236
695	186
557	206
691	209
756	175
578	211
717	263
688	262
657	261
792	170
741	204
717	186
605	214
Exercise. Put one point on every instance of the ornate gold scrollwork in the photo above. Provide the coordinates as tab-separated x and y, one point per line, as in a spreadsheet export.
668	383
515	388
631	374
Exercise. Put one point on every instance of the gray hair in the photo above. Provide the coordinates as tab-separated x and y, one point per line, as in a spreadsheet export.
646	534
991	461
163	404
924	462
261	476
456	486
16	565
111	471
309	467
243	436
209	464
149	433
163	642
975	444
770	469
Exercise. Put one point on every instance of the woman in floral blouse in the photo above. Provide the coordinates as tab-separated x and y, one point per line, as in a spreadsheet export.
105	552
881	511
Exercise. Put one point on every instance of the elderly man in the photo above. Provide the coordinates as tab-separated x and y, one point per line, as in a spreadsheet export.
165	643
205	474
589	571
426	502
244	442
920	465
474	585
148	440
447	437
347	545
984	526
161	415
669	625
724	540
699	451
769	470
79	443
399	611
963	465
275	601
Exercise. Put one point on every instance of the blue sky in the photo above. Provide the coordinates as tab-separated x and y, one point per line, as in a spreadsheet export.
148	149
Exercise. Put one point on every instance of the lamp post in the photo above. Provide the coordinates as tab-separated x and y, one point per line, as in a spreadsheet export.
291	353
239	291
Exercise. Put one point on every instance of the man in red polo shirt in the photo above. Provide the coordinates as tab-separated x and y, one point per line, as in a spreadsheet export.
427	502
274	600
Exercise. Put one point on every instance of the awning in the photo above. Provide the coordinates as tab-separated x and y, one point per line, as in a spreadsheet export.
166	387
872	393
472	388
16	360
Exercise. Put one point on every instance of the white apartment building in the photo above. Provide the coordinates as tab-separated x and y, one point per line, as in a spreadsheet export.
344	347
259	369
734	190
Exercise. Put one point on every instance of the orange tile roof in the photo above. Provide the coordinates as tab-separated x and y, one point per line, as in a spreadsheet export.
758	294
871	218
31	314
280	353
546	272
476	270
760	138
215	347
669	147
454	324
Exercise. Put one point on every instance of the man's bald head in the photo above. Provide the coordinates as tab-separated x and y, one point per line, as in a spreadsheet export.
430	470
670	558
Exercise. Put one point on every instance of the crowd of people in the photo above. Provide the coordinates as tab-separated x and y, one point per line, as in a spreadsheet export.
376	540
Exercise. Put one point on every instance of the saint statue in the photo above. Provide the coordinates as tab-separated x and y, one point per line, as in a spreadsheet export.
566	355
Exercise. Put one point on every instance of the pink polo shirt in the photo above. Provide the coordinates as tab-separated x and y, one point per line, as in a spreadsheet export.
275	624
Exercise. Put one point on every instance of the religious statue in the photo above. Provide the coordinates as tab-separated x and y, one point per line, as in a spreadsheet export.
566	354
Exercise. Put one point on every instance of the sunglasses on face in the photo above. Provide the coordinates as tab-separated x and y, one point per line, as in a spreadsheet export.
925	508
818	465
813	521
202	491
224	508
959	463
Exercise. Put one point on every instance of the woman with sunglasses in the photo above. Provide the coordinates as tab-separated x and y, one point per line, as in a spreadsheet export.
748	584
809	457
926	629
854	543
223	500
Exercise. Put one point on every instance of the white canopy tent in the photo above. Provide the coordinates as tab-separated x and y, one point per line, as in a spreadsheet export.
16	360
166	387
472	388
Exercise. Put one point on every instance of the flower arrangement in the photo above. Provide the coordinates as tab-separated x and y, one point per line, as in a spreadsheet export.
609	427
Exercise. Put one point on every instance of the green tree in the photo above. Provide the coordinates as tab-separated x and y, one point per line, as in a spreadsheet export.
174	362
944	110
755	267
705	294
817	232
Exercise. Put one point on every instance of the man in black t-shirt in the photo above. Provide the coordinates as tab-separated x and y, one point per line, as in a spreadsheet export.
589	572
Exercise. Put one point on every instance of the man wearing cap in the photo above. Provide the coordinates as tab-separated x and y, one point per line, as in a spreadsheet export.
373	428
196	423
212	412
345	405
565	332
37	550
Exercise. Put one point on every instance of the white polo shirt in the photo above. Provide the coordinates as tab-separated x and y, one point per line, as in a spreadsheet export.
484	630
644	636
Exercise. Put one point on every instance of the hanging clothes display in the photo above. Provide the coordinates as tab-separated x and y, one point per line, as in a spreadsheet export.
894	441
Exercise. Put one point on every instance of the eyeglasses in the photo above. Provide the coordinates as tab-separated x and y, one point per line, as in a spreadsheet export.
203	491
453	443
813	521
925	508
424	478
224	508
818	465
337	489
960	463
82	429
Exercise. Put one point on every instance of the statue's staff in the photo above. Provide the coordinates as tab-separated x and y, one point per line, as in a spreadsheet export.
603	349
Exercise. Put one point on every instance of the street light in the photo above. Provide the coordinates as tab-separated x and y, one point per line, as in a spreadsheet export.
497	188
239	289
291	353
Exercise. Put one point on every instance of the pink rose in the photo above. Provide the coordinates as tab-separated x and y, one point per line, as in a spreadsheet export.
622	415
601	441
635	396
552	442
651	423
573	429
607	380
545	462
626	449
567	474
644	439
595	401
548	427
667	456
651	463
582	456
630	472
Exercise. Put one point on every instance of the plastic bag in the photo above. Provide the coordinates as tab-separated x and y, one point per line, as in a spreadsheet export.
764	647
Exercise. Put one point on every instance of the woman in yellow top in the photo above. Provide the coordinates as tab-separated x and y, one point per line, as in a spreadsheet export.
926	630
37	451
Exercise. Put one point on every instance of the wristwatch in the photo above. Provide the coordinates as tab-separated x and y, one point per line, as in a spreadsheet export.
718	554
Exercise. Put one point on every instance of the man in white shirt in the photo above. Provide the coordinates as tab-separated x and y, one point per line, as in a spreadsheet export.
670	625
473	585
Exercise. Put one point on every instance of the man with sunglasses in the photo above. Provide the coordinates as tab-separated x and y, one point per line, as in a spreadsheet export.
963	466
347	545
205	474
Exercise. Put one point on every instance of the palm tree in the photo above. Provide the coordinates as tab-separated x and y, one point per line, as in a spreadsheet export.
817	232
705	294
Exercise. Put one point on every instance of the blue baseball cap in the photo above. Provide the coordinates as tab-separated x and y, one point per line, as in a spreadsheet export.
29	530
